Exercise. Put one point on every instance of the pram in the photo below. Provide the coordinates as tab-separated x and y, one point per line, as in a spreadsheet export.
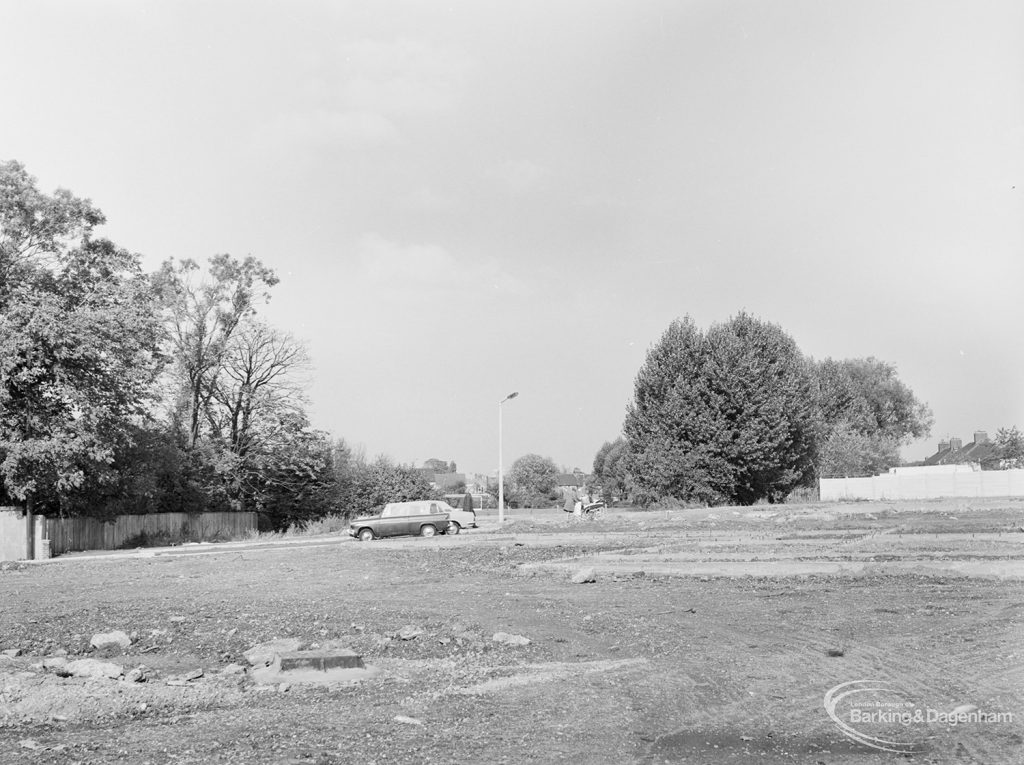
588	509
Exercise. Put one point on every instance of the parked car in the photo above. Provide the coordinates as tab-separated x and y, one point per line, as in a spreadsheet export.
425	518
458	519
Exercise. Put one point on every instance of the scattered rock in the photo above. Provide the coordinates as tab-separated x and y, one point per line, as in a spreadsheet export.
115	639
52	663
137	675
11	652
284	687
409	632
264	654
92	668
585	575
232	631
407	720
506	639
195	674
233	669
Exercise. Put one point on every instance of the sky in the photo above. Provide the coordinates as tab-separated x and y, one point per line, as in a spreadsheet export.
466	199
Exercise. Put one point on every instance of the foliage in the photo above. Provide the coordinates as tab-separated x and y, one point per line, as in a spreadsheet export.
1009	444
203	315
532	481
610	476
867	413
845	451
381	481
726	415
79	345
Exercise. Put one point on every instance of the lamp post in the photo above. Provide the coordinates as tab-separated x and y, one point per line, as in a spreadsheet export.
501	482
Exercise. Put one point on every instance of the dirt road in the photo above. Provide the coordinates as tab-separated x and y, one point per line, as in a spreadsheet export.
709	636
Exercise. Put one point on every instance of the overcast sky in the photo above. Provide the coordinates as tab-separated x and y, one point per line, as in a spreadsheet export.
465	199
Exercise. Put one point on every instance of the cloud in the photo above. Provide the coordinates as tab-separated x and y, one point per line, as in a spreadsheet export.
404	77
319	129
385	263
519	176
361	93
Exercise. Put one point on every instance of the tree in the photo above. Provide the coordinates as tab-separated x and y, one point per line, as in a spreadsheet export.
727	415
382	481
203	315
532	480
867	413
79	344
609	475
1010	448
36	228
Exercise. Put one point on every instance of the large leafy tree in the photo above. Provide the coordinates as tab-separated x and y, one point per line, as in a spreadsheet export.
609	474
532	481
79	341
726	415
204	313
867	414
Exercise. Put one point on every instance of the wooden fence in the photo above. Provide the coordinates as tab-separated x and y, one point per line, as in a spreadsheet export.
73	534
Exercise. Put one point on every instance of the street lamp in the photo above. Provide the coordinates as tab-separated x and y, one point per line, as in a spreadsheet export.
501	482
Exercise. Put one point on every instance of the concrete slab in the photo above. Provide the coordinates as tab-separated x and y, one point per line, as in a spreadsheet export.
321	659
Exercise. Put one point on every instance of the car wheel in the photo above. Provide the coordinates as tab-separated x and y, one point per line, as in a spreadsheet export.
427	531
365	535
453	528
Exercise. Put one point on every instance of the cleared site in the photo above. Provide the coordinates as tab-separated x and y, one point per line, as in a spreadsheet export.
704	635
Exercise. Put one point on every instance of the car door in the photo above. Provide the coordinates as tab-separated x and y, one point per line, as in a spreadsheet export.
394	520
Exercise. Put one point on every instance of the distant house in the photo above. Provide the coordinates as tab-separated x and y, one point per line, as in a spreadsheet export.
980	452
447	481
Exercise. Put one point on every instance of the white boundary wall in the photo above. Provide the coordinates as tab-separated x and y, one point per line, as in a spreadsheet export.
925	485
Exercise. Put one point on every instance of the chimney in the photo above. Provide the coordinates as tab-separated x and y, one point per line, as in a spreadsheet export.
980	437
943	446
955	444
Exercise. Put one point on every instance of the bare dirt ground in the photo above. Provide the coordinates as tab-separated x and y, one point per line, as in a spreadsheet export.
709	636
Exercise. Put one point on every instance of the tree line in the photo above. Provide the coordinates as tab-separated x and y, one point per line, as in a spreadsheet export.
130	392
735	414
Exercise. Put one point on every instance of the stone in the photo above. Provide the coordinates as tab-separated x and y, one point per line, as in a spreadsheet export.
195	674
114	639
506	639
11	653
233	669
93	668
264	654
407	720
137	675
585	576
409	632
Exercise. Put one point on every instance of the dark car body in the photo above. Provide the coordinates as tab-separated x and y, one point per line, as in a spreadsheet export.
424	518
